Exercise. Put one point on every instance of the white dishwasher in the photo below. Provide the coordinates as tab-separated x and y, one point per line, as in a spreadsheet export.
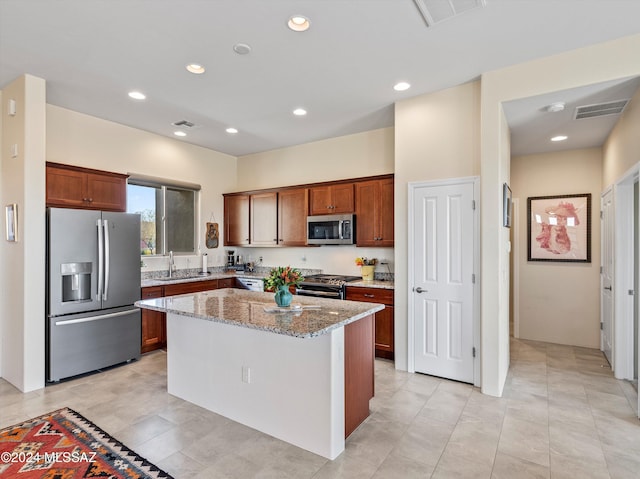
252	284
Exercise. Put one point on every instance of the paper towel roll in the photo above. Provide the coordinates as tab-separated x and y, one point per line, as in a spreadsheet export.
204	263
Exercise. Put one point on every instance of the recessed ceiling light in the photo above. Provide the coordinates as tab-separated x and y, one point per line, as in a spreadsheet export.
298	23
300	112
136	95
242	48
231	130
179	133
401	86
555	107
559	138
195	68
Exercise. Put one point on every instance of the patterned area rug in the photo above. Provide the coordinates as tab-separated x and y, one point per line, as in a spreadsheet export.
65	445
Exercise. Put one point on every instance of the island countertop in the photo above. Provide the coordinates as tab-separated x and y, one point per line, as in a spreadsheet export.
309	317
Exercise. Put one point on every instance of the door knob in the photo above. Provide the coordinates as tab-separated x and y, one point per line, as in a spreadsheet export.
420	290
608	287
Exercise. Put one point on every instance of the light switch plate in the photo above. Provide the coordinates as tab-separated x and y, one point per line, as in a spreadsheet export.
11	107
14	150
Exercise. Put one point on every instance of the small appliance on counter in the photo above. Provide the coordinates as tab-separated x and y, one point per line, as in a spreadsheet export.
231	259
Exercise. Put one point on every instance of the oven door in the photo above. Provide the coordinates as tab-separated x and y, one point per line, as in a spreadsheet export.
321	292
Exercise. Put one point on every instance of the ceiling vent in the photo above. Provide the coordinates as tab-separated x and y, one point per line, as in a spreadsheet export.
434	11
600	109
183	124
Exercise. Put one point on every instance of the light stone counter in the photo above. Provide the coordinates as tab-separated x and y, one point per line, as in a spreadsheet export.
249	309
193	278
223	355
372	284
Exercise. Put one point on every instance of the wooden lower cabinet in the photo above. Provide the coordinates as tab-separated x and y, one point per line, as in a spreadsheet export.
358	372
384	320
154	323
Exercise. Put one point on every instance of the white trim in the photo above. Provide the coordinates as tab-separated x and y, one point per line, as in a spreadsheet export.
411	187
515	258
623	329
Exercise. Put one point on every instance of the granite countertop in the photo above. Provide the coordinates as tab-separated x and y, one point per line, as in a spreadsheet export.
247	309
372	284
145	283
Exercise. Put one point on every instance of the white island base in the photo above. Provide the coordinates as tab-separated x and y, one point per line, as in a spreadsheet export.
288	387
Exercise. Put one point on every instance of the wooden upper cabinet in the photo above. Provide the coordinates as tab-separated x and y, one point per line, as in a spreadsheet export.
374	212
264	219
236	220
331	199
74	187
292	217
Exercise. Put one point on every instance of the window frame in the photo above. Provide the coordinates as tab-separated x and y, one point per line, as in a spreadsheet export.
161	211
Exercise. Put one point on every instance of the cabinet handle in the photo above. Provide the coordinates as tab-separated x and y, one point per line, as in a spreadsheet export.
366	295
90	200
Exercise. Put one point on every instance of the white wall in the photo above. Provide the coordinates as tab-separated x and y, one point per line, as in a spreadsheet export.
595	64
559	302
622	149
77	139
23	181
437	137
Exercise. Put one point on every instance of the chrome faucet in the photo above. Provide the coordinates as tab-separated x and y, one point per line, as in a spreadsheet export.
172	265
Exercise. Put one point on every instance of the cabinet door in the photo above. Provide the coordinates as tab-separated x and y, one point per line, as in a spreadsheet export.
226	283
366	213
320	200
386	198
292	217
65	188
236	220
264	219
106	192
154	323
384	332
342	198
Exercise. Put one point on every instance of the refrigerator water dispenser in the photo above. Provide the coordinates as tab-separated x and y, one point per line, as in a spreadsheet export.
76	281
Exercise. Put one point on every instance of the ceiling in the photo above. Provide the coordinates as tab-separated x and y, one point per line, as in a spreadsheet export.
342	70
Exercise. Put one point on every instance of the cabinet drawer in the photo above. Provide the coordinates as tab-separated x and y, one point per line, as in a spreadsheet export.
370	295
191	287
152	292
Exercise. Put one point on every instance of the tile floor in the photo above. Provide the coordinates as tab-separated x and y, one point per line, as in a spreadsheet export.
562	415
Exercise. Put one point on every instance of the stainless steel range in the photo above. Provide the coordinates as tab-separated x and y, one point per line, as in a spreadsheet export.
325	285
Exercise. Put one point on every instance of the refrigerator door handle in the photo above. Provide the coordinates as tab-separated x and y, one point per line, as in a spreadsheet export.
100	260
94	318
107	259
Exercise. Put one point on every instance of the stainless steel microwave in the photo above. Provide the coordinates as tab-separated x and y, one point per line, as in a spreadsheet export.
331	229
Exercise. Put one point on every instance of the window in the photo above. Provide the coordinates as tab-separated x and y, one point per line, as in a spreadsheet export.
167	216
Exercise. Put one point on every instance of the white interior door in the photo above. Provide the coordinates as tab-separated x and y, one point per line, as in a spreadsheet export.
606	277
442	283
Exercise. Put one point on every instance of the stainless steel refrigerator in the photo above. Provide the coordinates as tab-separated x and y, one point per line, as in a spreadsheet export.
93	279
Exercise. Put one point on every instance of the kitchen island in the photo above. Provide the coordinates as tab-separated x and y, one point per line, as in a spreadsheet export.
302	374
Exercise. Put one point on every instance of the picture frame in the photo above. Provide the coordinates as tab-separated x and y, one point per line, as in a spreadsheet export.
507	205
11	222
559	228
211	237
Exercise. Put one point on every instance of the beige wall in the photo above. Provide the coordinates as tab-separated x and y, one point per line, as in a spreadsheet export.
598	63
622	148
559	302
351	156
437	136
23	179
77	139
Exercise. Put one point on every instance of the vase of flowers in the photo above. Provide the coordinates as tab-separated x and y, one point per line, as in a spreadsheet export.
367	267
279	280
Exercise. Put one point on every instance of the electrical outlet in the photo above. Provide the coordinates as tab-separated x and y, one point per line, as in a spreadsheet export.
246	374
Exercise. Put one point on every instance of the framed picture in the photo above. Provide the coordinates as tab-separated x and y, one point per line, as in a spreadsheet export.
211	239
11	222
559	228
507	206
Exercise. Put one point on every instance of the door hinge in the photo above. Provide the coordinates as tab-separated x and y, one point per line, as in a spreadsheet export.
473	278
473	204
632	292
600	269
473	351
601	326
601	214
